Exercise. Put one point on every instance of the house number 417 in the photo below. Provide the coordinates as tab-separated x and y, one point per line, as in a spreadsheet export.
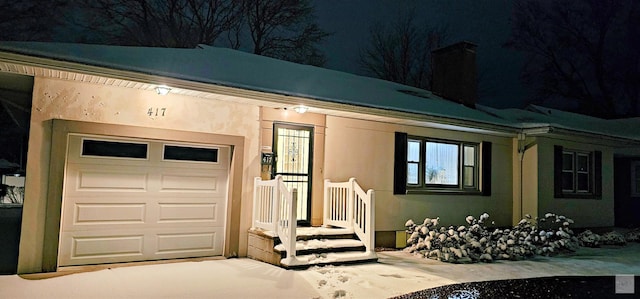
156	111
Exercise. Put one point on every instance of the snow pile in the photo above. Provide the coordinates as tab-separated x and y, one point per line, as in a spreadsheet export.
476	242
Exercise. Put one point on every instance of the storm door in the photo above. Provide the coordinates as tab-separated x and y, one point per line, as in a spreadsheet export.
294	161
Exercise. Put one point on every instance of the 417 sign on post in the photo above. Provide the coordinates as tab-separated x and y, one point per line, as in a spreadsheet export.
153	112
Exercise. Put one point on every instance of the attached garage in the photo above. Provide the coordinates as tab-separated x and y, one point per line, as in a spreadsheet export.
130	200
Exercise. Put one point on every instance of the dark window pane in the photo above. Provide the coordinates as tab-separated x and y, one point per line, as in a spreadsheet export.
583	163
567	161
184	153
583	182
567	181
103	148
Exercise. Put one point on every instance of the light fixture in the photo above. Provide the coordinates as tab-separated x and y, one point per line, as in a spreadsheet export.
163	90
301	109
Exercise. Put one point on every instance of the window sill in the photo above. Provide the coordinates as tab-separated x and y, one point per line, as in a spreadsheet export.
579	196
443	191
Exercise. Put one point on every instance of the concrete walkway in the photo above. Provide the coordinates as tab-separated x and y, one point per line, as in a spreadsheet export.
396	273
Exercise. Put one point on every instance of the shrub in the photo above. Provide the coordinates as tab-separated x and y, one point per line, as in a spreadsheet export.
476	242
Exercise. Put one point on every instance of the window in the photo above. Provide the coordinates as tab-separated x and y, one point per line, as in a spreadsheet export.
187	153
432	165
577	173
635	179
115	149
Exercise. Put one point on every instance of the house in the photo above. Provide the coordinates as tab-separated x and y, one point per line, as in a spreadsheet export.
139	154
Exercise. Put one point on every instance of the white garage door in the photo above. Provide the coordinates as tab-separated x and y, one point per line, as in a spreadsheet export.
137	200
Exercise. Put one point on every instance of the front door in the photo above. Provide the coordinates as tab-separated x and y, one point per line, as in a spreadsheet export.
294	161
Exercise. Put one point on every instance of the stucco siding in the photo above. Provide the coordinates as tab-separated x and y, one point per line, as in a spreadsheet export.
365	150
585	212
76	101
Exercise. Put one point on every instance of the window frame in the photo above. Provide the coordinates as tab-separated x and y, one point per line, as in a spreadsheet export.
593	172
423	187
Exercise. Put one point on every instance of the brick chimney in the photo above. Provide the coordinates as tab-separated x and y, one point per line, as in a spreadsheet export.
455	74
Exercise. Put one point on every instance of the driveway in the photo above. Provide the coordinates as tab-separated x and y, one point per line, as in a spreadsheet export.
395	273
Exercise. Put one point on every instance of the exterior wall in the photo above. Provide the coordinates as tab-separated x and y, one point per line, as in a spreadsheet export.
58	99
585	212
267	117
365	150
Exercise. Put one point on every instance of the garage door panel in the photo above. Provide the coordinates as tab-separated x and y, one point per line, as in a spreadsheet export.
176	243
188	212
189	183
106	179
84	248
109	214
111	181
105	246
179	242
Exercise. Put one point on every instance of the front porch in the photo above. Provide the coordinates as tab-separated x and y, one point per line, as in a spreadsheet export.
346	236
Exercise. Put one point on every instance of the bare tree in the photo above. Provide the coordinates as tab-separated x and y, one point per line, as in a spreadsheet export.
402	52
581	55
170	23
284	29
33	20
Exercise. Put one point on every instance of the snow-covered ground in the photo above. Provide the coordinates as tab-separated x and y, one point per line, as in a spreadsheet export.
396	273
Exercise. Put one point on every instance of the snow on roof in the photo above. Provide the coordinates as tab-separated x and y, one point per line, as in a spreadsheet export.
537	116
227	67
222	66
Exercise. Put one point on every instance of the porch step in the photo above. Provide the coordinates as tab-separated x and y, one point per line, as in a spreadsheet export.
330	258
304	247
314	246
311	233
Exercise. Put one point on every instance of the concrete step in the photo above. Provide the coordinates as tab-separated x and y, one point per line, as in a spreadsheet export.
331	258
310	233
304	247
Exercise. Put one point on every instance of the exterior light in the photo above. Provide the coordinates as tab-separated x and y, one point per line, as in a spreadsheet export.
163	90
300	109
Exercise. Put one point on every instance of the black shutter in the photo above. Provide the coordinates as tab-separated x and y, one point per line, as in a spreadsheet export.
486	168
400	164
597	173
557	171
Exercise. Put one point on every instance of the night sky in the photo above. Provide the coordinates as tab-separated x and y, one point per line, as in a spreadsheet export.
485	23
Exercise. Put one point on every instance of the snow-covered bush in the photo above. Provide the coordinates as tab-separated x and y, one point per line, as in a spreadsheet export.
588	238
476	242
613	238
633	235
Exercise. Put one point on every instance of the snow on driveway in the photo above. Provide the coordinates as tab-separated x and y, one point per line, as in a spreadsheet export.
394	274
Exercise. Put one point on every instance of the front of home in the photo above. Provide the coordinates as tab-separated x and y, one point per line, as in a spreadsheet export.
117	172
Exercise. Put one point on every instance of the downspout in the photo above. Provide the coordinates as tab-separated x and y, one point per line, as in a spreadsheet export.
522	148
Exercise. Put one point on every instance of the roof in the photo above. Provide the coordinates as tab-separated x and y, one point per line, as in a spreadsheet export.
228	67
534	116
232	68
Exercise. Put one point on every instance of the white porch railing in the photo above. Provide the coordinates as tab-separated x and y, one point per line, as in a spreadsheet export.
347	205
274	209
